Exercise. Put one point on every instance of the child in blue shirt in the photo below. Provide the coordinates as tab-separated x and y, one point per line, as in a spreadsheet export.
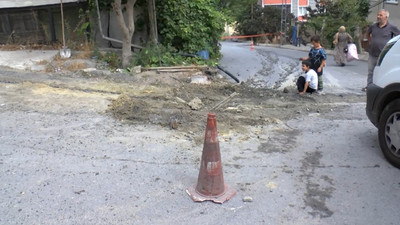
317	58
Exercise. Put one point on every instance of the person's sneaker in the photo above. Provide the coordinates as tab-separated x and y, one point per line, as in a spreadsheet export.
364	89
320	92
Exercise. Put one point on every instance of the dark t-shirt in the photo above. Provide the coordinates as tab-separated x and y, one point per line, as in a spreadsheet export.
380	36
315	56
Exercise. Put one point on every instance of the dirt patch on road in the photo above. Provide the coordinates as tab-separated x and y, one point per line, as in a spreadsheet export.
171	99
250	107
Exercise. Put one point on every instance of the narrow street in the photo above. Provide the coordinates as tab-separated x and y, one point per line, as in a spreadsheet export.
99	149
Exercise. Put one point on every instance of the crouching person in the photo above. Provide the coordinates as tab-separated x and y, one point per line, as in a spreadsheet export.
309	82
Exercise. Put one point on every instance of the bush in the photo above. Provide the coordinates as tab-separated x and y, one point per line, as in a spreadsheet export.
159	55
112	59
191	26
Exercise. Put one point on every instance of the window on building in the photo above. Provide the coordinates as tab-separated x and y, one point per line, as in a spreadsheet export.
392	1
303	11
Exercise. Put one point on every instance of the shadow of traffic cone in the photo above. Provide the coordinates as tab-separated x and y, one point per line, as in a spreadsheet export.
252	46
210	183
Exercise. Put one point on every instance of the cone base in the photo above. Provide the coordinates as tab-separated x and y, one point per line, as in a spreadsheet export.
197	197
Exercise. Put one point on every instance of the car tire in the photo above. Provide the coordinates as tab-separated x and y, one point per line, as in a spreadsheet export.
389	132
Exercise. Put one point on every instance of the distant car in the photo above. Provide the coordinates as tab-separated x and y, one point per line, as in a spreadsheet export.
383	101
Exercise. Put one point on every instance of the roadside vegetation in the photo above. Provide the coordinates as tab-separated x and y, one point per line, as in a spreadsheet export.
250	19
185	29
327	18
181	32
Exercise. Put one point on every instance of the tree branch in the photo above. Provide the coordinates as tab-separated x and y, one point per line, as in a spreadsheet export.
131	18
120	17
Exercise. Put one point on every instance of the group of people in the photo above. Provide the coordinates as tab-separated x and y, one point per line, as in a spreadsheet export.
379	34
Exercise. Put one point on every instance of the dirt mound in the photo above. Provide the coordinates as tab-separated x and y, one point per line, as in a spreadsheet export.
250	107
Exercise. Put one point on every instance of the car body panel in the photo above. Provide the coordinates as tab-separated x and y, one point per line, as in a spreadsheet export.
388	71
383	100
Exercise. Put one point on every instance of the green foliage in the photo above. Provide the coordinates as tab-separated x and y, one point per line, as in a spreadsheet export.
84	24
363	8
154	55
262	20
112	59
190	26
158	55
247	22
234	9
326	19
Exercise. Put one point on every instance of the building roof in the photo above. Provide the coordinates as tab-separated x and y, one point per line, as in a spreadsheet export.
24	3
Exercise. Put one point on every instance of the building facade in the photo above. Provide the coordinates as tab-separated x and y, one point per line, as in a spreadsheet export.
297	7
391	5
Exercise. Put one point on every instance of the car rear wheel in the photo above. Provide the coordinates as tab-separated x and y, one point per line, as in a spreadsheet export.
389	132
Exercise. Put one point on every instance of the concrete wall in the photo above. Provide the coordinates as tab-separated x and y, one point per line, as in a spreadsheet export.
111	29
39	30
32	25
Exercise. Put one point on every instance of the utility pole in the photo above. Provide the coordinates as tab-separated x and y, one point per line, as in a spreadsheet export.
252	17
283	21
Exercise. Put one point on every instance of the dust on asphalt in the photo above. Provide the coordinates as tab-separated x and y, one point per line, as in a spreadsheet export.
164	98
251	107
62	117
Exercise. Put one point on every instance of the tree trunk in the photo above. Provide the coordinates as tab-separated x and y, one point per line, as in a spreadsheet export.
152	20
127	28
357	39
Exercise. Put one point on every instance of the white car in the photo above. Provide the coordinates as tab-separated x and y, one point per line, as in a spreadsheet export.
383	100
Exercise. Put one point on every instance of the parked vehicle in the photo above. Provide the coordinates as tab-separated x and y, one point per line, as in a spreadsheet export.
383	100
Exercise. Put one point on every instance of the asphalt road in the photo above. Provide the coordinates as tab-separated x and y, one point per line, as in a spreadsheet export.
345	178
67	163
281	63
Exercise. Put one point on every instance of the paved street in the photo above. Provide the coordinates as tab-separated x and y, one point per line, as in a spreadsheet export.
65	160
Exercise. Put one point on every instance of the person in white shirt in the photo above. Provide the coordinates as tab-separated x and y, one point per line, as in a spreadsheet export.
309	83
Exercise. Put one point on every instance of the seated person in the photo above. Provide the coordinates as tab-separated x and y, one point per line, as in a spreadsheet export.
309	82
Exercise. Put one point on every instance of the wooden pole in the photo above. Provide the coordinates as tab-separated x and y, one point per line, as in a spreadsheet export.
62	23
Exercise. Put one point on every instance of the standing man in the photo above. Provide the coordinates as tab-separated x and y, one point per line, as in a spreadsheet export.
379	34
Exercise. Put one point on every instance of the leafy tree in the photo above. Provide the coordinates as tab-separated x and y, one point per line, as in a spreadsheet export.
261	20
190	26
234	9
248	22
330	15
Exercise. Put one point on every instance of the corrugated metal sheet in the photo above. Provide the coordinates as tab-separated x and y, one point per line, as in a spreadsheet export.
25	3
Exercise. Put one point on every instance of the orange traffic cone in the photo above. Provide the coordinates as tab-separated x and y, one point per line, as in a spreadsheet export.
252	46
210	183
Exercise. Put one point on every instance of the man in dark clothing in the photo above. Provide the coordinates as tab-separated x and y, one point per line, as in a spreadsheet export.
379	34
